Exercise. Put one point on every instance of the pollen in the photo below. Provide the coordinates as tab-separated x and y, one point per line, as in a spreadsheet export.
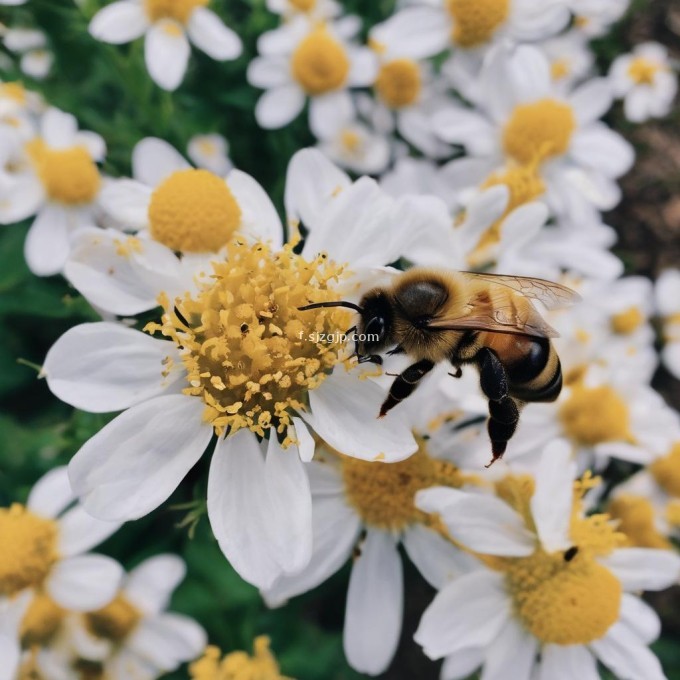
69	175
399	83
538	131
643	71
320	63
666	471
262	665
29	549
249	352
193	211
14	91
350	140
476	21
383	493
627	321
594	415
115	621
636	520
560	69
303	5
179	10
41	621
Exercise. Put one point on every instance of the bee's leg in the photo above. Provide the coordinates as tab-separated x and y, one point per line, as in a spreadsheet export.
493	378
457	373
397	350
503	419
405	383
370	359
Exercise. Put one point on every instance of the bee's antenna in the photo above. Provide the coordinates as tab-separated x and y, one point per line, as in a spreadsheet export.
339	303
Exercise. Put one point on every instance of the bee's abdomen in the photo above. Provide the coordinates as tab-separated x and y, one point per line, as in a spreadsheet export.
536	375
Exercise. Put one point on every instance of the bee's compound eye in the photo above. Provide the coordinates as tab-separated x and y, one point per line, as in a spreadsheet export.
376	327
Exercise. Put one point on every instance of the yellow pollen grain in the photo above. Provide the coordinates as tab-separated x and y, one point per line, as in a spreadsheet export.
69	175
29	549
262	665
128	246
115	621
594	415
179	10
303	5
14	91
643	71
399	83
636	520
193	211
666	471
627	321
538	131
559	69
249	352
476	21
41	621
320	63
383	493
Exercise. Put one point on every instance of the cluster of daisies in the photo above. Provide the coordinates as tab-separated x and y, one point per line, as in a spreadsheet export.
464	134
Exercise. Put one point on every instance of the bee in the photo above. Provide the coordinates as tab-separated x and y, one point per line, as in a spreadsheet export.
486	320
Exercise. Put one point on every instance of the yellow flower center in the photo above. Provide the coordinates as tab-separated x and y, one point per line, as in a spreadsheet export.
320	63
627	321
29	549
399	83
666	471
14	91
193	211
476	21
538	131
636	521
41	621
673	513
593	415
249	352
383	493
350	140
261	665
179	10
115	621
559	69
69	176
642	71
303	5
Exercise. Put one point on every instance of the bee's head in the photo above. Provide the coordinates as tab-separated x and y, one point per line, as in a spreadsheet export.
375	329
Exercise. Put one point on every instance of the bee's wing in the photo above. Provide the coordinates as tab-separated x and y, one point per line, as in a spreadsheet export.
552	295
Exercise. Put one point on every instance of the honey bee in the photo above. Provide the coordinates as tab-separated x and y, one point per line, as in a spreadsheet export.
487	320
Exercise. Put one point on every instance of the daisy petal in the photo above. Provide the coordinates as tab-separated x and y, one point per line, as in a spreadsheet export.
329	113
150	585
10	651
47	242
154	160
512	655
591	100
208	32
559	662
51	493
127	201
278	106
640	618
305	441
119	22
462	663
80	532
644	568
166	52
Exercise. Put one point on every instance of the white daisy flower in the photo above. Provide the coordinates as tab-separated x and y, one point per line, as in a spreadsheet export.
667	293
240	359
55	177
168	28
595	17
36	60
47	543
366	510
19	109
523	118
558	590
210	152
304	59
645	82
12	611
318	10
571	59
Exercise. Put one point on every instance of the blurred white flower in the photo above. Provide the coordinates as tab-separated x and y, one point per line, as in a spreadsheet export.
210	152
313	9
358	148
36	61
595	17
667	294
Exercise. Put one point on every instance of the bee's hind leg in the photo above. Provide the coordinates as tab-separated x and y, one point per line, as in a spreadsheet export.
405	383
503	419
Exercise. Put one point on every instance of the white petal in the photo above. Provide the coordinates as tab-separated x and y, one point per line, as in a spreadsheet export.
240	510
119	22
346	418
150	585
467	613
512	655
47	241
529	72
154	160
375	601
464	127
278	106
58	128
305	441
484	524
268	72
640	618
51	493
462	663
93	143
560	662
166	52
85	582
80	532
603	149
127	201
10	651
208	32
22	198
667	292
418	32
134	463
591	100
36	63
102	366
329	113
644	568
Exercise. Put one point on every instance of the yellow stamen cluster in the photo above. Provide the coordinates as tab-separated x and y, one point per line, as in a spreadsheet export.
261	665
14	91
303	5
29	549
594	415
643	71
399	83
636	520
320	63
559	69
179	10
41	621
193	211
383	493
627	321
69	175
538	131
350	140
249	352
476	21
115	621
666	471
